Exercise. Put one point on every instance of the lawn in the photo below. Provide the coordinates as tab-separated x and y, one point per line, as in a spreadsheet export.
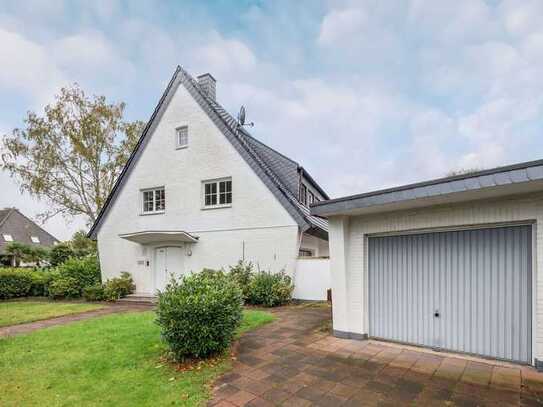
109	361
18	312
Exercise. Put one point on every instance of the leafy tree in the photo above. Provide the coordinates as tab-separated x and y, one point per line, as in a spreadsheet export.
18	252
72	155
82	245
60	253
21	252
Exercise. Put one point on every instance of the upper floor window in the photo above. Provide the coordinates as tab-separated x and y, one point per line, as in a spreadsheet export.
35	239
8	238
154	200
303	194
182	136
217	193
310	197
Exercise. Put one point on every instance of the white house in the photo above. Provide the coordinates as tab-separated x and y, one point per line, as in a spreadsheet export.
454	263
200	192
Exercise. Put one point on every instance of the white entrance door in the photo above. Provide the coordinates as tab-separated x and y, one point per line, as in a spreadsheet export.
168	261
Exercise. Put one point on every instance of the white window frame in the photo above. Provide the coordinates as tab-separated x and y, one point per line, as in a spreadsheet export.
154	190
303	194
35	239
310	198
217	193
179	145
7	237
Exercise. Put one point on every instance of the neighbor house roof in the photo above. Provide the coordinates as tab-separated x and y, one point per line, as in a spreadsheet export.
280	174
21	229
517	178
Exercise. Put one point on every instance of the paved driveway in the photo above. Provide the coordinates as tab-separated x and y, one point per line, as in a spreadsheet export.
292	363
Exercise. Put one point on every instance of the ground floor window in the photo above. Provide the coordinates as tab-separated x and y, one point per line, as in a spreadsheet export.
305	253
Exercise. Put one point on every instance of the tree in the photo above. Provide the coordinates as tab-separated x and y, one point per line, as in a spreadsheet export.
71	156
17	251
82	245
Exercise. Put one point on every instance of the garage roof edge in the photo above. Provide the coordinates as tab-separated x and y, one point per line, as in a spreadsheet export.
510	174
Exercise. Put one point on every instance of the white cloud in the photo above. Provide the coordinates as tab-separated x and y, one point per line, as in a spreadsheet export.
27	67
341	25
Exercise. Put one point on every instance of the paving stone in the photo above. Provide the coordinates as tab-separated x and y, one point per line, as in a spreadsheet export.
276	395
506	378
311	393
240	398
289	363
477	373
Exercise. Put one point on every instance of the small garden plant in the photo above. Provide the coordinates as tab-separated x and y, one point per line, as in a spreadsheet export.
199	314
262	288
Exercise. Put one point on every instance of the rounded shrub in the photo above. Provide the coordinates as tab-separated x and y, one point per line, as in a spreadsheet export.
270	290
64	287
119	287
94	293
199	314
15	283
86	270
241	273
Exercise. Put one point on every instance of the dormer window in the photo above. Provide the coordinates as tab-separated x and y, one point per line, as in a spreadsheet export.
35	239
303	194
182	136
8	238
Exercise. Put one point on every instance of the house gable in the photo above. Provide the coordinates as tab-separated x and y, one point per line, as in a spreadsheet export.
208	156
181	80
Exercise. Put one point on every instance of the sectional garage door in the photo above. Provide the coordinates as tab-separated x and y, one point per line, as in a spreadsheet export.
466	291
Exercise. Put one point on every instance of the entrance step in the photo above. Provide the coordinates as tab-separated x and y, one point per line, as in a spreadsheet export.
138	299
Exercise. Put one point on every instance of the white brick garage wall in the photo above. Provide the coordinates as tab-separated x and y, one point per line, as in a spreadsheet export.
349	263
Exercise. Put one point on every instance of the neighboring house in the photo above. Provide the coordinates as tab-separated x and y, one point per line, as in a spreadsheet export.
16	227
455	263
198	191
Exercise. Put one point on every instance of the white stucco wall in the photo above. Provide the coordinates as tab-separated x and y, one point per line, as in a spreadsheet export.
312	279
318	247
348	260
255	217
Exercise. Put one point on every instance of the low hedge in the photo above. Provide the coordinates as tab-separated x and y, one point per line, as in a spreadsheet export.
64	287
15	282
198	315
118	287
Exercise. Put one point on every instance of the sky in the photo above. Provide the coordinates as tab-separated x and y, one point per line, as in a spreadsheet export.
364	94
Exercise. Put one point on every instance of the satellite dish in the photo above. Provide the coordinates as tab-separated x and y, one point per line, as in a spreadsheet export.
241	115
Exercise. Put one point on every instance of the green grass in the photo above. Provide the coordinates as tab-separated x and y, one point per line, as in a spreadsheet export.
109	361
19	312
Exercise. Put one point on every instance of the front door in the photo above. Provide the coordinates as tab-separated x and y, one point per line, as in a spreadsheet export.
168	263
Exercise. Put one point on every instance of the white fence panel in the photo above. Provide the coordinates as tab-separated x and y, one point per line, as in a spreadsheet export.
312	279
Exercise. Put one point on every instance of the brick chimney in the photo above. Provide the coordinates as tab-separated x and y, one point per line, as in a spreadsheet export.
208	85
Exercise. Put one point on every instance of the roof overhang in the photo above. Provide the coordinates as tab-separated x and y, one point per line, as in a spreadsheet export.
157	236
499	182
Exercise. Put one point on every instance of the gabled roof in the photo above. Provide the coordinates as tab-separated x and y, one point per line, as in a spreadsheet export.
278	172
21	228
524	177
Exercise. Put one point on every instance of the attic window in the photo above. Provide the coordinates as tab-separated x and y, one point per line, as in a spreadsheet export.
35	239
310	198
182	136
8	238
303	194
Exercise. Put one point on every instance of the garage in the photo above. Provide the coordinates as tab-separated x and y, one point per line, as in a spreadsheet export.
466	291
450	264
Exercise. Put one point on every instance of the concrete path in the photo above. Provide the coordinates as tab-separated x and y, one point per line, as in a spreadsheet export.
66	319
292	363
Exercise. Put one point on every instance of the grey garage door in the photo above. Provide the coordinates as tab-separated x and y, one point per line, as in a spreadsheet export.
466	291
